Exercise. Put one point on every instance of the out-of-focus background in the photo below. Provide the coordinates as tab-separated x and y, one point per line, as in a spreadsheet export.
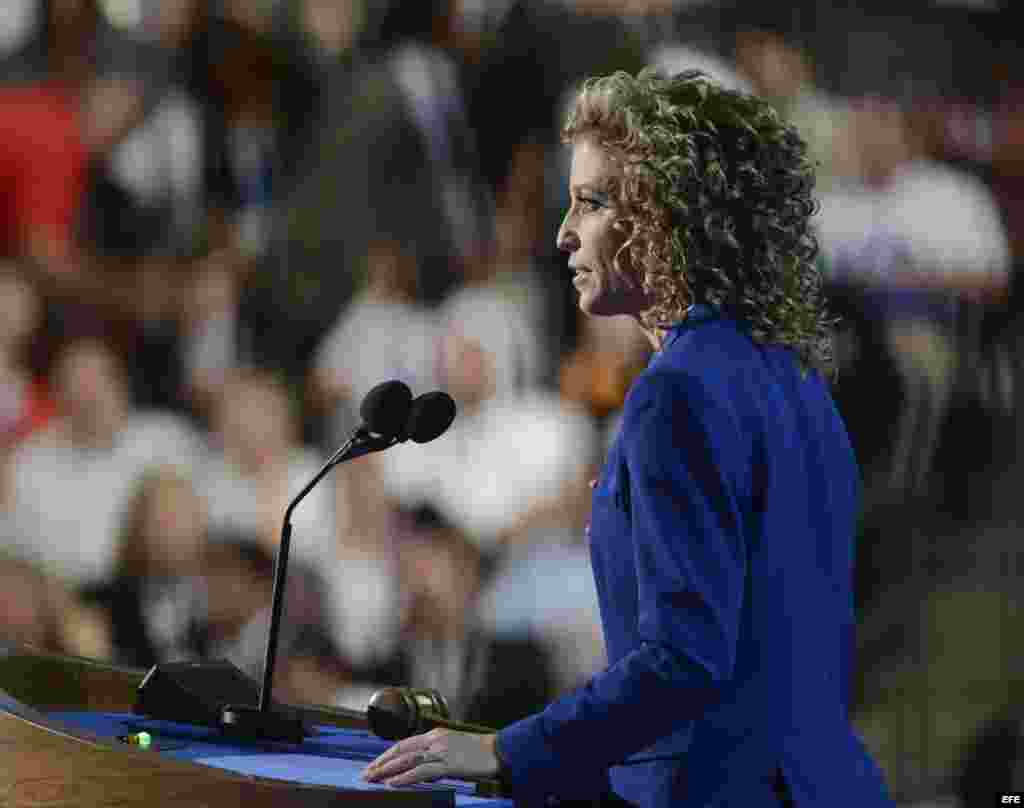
222	223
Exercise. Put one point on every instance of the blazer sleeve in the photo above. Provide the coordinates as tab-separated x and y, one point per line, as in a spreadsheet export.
688	465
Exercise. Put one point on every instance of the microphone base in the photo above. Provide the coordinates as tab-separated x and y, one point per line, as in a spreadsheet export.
251	723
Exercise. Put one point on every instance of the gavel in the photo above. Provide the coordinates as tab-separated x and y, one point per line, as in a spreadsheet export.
400	712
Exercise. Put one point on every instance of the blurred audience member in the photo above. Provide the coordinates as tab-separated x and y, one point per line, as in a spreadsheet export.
361	576
210	349
547	592
546	47
394	158
71	94
72	486
907	222
146	196
154	337
43	169
19	22
425	69
317	231
239	576
194	41
156	597
611	353
26	404
244	69
333	28
910	238
781	72
444	647
316	672
148	192
383	333
41	611
675	57
501	302
503	459
259	464
239	573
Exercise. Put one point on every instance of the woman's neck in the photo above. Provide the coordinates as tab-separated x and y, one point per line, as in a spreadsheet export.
655	335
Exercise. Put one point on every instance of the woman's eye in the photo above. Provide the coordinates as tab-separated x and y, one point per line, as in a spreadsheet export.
589	204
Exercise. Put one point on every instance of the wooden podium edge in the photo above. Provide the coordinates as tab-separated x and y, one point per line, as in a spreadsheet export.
44	762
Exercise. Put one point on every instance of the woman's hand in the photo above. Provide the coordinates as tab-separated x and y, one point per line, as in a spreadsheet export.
433	755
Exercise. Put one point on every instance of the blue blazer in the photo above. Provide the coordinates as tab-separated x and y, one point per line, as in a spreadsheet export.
722	536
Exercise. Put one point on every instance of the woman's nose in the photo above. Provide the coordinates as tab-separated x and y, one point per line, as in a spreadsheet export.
567	240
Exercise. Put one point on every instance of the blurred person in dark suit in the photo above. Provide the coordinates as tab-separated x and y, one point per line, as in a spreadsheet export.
394	157
546	46
723	523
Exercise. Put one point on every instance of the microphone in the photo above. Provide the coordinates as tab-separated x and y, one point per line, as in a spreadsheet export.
400	712
390	415
430	415
385	409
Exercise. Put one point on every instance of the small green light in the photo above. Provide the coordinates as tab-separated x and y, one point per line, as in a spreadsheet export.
142	739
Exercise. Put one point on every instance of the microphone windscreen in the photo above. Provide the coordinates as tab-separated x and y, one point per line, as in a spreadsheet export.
431	414
385	409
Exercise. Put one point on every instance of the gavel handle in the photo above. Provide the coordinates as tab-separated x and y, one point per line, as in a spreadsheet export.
322	714
458	726
332	715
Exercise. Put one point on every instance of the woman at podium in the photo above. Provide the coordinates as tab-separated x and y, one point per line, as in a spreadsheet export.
723	522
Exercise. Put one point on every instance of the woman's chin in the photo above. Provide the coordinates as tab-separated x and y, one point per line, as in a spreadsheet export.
596	306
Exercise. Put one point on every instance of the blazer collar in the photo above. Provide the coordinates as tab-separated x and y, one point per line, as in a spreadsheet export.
695	315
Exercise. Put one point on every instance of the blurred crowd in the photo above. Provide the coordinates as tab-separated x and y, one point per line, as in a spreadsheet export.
222	223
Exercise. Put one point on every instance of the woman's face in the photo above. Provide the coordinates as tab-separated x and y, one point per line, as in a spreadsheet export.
589	235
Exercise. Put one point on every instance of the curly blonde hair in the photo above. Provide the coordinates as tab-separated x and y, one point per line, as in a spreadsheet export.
717	194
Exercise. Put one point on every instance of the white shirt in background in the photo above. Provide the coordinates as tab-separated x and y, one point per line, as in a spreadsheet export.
70	504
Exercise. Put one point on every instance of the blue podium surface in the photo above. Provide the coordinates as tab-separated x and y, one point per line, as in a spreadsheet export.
331	756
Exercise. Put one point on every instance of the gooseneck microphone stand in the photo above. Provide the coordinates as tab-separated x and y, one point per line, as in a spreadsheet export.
262	721
216	693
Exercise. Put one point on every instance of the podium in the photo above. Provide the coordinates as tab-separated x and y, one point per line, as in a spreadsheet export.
51	756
